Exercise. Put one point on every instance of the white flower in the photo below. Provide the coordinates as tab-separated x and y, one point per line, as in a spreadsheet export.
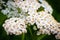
30	19
57	36
6	11
15	26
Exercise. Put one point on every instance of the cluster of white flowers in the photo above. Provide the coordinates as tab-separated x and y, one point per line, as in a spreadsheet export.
28	5
15	26
43	19
47	24
15	9
12	10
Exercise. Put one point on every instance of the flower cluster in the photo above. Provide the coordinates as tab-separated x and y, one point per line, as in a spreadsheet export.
15	26
47	24
28	5
22	12
12	10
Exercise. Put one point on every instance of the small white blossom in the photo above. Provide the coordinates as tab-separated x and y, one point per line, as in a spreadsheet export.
57	36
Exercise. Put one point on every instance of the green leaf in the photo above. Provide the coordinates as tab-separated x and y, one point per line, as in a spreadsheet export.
2	18
40	9
41	37
56	15
19	10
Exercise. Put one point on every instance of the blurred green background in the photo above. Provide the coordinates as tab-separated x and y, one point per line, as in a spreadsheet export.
56	14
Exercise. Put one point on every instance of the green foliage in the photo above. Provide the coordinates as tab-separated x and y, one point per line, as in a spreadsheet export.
19	10
40	9
2	18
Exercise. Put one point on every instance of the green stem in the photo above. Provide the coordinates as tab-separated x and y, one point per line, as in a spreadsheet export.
23	36
30	31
